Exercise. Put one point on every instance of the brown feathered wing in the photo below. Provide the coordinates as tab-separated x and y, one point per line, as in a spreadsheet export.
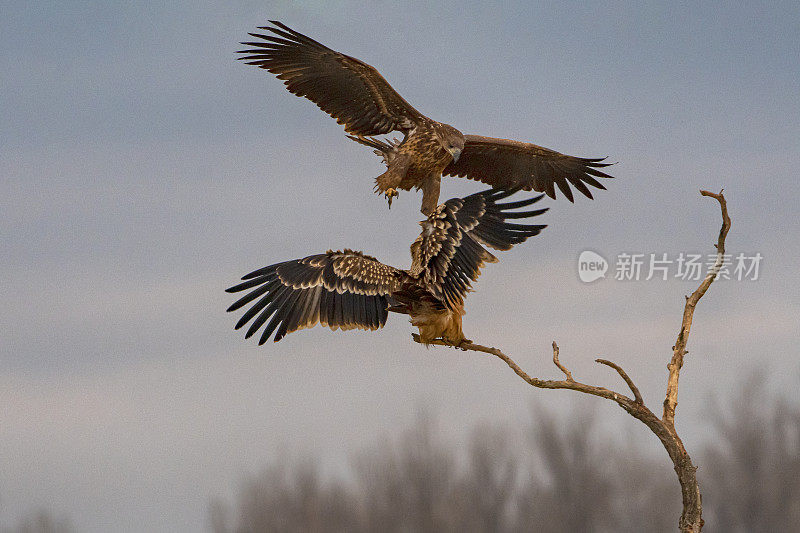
349	90
448	255
506	164
336	289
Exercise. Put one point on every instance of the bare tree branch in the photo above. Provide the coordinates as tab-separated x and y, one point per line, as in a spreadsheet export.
637	396
679	350
558	363
691	520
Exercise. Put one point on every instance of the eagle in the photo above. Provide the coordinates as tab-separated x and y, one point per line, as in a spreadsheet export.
349	289
358	97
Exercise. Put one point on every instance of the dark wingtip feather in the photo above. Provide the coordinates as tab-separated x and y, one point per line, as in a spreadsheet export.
526	214
511	215
537	198
494	194
249	284
263	340
520	203
598	173
595	160
563	186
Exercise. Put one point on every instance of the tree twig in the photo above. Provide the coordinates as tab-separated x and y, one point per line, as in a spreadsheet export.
637	396
558	363
691	520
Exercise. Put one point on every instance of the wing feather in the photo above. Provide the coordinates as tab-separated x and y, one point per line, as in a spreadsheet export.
275	309
349	90
507	164
448	255
338	319
344	290
492	229
249	297
283	317
267	302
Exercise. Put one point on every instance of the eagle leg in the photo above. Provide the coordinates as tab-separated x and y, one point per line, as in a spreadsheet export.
385	184
430	194
391	180
389	194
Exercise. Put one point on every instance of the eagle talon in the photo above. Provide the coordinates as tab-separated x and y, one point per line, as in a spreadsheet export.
460	345
390	194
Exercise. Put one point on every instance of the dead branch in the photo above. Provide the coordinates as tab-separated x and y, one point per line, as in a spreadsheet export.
637	396
679	350
664	428
558	363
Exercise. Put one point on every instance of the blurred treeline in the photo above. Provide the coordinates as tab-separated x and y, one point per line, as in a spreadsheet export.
554	474
562	476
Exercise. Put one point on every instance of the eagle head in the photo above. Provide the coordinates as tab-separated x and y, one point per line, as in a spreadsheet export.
452	140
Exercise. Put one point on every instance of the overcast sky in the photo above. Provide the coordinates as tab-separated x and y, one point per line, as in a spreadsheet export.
143	170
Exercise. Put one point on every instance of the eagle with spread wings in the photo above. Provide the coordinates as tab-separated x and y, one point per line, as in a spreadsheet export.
349	289
358	97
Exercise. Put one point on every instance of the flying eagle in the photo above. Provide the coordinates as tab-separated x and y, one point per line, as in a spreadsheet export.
349	289
358	97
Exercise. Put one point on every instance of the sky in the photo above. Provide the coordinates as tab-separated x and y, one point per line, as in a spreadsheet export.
143	170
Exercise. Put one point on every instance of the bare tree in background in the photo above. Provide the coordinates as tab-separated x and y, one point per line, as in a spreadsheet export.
418	482
487	488
753	471
408	485
575	471
41	521
583	483
291	498
663	427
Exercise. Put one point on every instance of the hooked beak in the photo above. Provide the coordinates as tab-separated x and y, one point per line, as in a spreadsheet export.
456	154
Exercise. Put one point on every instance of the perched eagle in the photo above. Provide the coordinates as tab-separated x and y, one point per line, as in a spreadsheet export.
357	96
349	289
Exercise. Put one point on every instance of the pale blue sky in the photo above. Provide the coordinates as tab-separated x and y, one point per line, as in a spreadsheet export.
143	170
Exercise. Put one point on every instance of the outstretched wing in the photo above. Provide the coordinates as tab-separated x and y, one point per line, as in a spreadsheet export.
336	289
506	164
349	90
486	220
448	255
